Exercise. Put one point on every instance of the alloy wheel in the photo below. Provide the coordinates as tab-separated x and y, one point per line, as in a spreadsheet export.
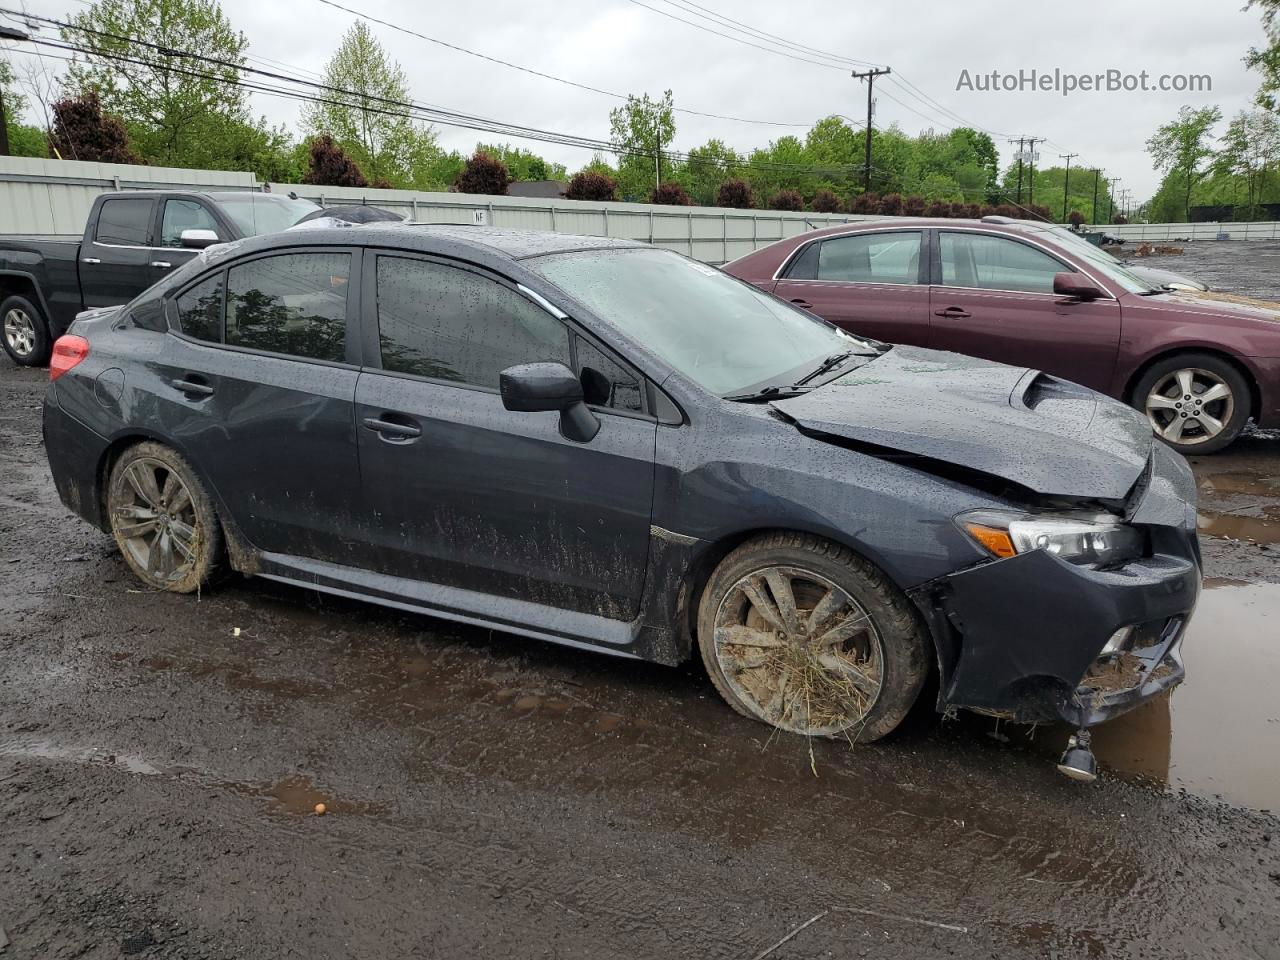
1190	406
20	332
799	651
154	519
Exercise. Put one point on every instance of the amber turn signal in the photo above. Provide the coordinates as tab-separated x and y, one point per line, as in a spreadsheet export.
995	540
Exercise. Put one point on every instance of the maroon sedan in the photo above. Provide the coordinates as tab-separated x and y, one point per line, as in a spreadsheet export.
1035	295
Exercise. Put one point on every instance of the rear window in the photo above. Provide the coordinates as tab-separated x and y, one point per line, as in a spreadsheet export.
125	221
294	304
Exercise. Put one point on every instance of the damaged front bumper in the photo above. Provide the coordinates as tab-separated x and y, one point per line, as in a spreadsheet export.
1023	637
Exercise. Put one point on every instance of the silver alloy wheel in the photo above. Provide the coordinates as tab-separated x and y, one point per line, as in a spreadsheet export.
20	332
1190	406
799	651
154	519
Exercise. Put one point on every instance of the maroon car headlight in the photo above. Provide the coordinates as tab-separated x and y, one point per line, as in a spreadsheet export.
1091	540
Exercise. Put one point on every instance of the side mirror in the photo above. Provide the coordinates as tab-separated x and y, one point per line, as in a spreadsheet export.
198	239
1075	285
533	387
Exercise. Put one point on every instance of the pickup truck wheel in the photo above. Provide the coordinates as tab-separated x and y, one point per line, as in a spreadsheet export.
1196	402
23	332
802	634
163	520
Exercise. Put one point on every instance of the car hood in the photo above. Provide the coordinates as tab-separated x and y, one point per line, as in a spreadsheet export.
1050	436
1232	305
1165	278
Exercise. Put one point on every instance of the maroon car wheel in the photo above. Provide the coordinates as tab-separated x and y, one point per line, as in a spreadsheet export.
1197	403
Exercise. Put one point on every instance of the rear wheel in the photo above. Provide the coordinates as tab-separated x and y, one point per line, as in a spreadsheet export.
162	519
23	332
1196	402
804	635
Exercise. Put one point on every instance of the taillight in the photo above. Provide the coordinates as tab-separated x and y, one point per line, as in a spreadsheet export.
67	352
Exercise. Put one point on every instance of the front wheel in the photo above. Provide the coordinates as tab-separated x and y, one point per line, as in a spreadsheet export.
23	332
806	636
1196	402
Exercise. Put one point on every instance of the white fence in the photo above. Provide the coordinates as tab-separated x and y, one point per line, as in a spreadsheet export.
54	197
1159	232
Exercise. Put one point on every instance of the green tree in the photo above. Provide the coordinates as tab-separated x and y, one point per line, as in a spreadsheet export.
640	130
1266	60
24	140
1182	146
173	118
367	121
1249	146
705	169
523	164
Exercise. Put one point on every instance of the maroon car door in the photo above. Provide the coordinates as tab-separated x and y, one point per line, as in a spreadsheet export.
993	298
869	283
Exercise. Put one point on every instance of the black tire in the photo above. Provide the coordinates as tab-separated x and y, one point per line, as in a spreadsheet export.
902	663
1160	387
24	332
183	511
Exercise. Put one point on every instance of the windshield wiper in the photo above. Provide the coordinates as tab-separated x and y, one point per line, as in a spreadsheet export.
830	363
770	392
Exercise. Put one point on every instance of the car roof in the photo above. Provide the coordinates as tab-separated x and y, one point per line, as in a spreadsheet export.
450	239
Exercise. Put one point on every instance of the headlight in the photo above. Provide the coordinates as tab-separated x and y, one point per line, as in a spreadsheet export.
1093	540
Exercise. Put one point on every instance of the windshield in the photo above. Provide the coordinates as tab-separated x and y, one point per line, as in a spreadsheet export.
719	332
1104	261
257	213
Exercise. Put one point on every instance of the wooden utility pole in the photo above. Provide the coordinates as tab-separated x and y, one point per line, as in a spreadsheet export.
1031	161
1097	175
1021	141
1066	182
870	77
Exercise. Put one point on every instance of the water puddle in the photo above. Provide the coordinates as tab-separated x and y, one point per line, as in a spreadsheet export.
47	750
1240	504
1216	735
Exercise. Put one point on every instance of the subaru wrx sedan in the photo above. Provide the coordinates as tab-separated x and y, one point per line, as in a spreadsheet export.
606	445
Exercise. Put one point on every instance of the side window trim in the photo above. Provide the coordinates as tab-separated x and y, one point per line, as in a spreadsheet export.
353	346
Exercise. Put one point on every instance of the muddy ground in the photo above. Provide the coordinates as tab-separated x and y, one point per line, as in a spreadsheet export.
493	797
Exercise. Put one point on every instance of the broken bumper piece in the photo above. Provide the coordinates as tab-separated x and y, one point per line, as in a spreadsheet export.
1024	638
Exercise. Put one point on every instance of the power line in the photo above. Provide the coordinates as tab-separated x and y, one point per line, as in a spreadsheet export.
538	73
392	107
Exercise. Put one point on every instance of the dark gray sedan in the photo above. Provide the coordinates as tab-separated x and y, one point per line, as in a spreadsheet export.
611	446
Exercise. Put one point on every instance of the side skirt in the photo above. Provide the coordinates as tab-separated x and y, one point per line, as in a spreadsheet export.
567	627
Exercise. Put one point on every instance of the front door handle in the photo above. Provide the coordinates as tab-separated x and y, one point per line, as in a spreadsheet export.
803	304
90	260
391	430
193	387
953	313
162	264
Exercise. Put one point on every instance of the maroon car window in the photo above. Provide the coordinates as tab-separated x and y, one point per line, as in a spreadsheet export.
871	258
996	263
805	264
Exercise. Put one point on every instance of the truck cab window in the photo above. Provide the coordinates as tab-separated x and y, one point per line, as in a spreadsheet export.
125	222
182	215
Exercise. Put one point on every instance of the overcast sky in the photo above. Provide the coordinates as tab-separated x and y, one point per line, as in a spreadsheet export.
621	46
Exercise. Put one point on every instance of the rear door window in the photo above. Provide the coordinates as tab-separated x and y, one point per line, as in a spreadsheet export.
294	304
200	310
447	323
125	222
871	258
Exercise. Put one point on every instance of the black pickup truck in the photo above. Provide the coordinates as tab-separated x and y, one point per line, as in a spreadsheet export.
132	239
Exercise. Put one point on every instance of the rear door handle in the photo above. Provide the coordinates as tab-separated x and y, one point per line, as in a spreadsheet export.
193	387
162	264
953	313
391	430
803	304
90	260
